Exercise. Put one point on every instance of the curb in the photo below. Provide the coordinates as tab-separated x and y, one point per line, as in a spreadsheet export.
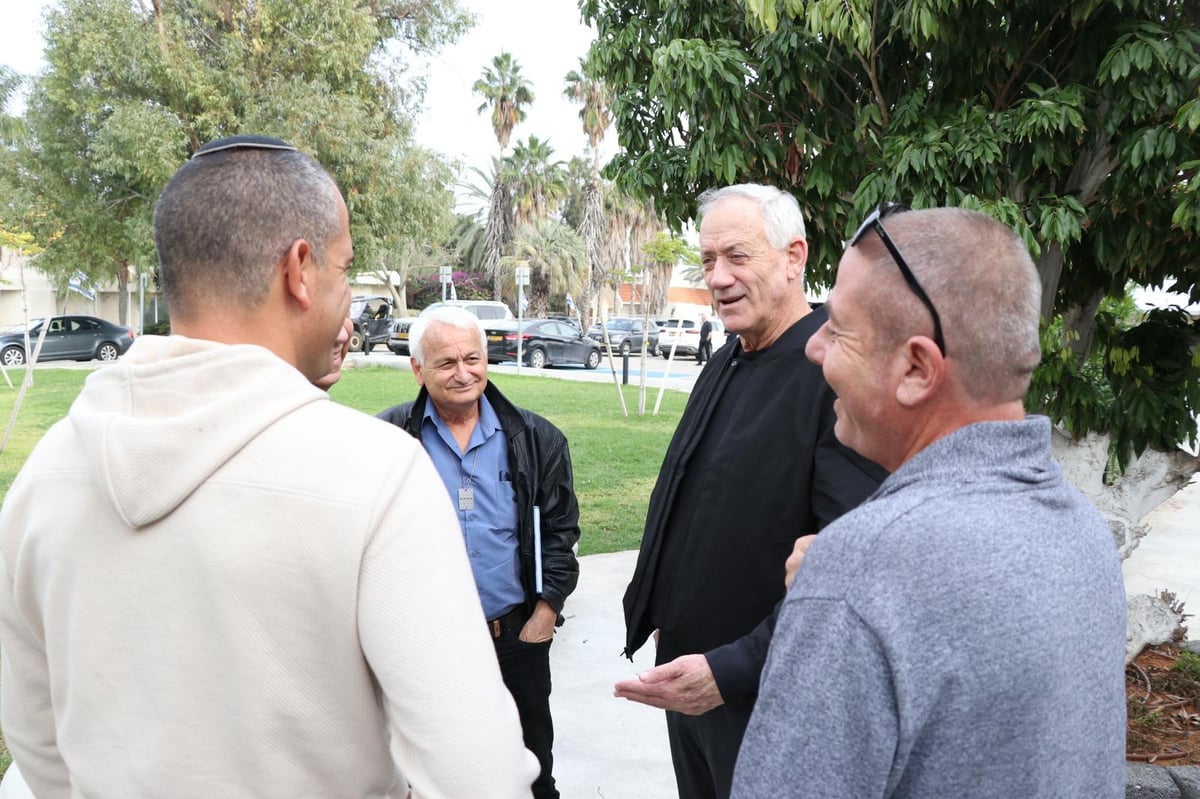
1147	781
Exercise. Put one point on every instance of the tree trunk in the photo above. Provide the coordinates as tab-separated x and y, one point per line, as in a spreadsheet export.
1081	319
123	293
592	231
1049	266
497	234
1096	162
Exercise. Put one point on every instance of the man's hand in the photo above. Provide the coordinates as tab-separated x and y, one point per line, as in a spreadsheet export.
796	558
685	685
540	626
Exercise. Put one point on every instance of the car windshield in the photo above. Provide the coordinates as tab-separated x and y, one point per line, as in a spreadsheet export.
620	324
431	308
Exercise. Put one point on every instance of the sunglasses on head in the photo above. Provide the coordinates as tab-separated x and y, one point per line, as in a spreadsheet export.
875	222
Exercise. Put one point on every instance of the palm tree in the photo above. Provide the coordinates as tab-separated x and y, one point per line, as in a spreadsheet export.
593	95
556	258
539	184
506	92
629	225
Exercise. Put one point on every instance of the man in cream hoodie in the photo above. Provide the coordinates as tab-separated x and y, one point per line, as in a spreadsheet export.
202	593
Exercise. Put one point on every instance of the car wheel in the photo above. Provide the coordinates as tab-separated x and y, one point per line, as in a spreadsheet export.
593	359
356	341
107	352
537	358
13	356
626	347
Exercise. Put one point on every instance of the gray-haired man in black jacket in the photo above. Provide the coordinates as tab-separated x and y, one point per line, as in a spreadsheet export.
508	472
753	466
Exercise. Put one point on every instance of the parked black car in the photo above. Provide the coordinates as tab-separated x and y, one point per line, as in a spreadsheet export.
627	334
80	338
544	342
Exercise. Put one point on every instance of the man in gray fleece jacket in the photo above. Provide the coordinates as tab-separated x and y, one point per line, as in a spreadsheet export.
962	632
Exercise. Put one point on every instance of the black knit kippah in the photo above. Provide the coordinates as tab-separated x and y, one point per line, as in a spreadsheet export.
243	141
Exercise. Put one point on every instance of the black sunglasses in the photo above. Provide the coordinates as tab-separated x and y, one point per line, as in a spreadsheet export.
875	222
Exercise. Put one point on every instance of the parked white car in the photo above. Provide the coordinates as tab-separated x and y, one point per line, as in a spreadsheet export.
684	334
484	310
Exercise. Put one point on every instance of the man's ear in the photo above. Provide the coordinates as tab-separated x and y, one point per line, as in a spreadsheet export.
797	255
924	371
297	266
416	370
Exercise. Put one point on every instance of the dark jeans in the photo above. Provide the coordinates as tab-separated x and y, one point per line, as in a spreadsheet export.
526	672
704	352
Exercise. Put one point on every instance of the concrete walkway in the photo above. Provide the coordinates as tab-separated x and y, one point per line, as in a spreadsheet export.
604	746
1168	558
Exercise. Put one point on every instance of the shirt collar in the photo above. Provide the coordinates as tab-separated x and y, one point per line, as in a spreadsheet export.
485	428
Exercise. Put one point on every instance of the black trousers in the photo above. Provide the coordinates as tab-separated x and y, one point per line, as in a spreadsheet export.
704	748
526	672
704	352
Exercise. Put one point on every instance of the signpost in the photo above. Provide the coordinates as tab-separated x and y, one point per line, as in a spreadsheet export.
446	273
522	275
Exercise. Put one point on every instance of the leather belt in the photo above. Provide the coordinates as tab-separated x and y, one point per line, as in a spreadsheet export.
511	622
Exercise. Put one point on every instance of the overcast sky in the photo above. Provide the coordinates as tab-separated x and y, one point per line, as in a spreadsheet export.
546	37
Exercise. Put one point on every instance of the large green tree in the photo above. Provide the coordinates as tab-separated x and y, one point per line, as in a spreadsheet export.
130	90
1073	122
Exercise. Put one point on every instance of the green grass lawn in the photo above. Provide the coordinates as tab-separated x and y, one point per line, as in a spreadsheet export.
616	458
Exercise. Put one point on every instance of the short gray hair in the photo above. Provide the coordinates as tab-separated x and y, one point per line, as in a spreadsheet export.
782	219
225	220
450	315
980	277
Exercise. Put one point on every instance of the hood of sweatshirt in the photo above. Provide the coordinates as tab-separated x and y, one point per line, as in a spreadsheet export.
173	411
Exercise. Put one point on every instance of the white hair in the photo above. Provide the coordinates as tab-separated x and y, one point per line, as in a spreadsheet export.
450	315
782	220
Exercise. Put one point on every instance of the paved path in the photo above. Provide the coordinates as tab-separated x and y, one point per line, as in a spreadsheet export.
679	374
1169	556
604	746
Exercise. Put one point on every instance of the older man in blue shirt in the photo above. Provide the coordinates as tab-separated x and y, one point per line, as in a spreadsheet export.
508	473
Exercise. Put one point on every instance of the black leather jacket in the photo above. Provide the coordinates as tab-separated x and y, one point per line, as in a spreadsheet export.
540	463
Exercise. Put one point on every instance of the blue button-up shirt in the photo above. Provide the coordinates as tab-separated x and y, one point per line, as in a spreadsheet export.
490	528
